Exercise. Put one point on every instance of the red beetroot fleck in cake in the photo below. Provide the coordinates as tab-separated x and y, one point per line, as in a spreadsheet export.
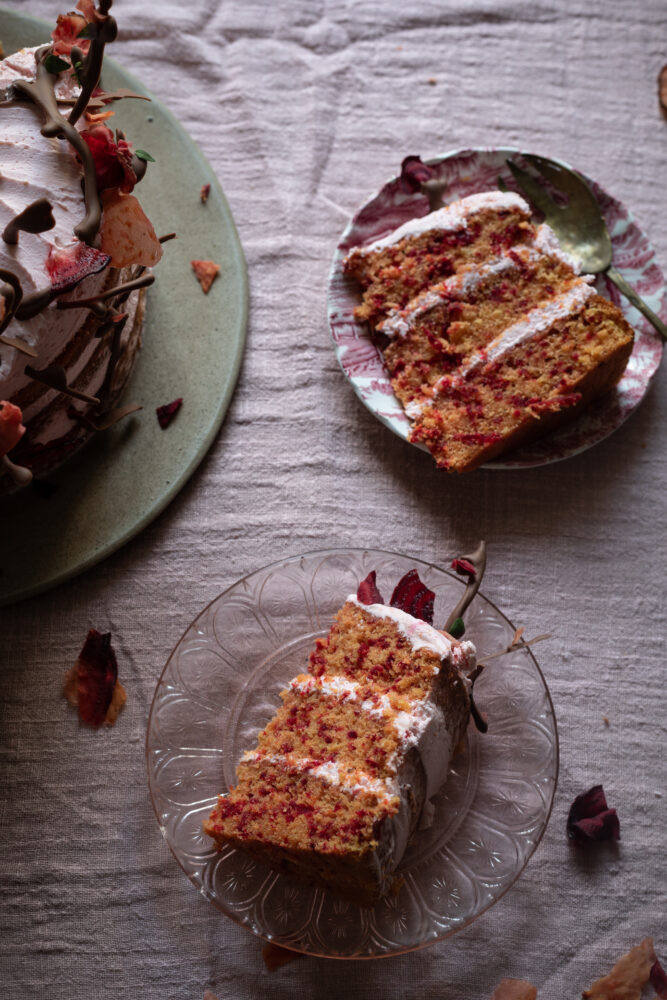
367	591
167	412
352	734
413	597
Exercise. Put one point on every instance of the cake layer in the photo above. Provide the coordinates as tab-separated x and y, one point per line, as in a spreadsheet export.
527	389
443	327
394	270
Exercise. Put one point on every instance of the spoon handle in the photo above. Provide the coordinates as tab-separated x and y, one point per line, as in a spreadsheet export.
637	302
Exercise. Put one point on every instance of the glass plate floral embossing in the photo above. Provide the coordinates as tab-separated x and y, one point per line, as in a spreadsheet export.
221	686
465	172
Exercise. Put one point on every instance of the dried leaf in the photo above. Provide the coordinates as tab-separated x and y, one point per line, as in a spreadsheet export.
205	272
514	989
662	89
628	977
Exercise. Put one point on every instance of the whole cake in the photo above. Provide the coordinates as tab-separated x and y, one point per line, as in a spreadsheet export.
489	334
341	775
74	248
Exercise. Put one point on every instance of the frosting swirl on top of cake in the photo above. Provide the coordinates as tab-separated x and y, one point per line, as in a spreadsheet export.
33	166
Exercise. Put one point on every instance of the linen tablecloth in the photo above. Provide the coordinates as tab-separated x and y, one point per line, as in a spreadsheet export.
304	109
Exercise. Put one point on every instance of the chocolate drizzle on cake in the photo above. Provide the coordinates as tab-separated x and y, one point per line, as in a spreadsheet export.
36	218
86	259
55	377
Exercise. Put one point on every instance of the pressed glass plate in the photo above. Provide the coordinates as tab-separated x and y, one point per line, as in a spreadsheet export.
465	172
221	686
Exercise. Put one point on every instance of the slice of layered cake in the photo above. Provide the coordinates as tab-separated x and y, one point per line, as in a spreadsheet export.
340	776
489	334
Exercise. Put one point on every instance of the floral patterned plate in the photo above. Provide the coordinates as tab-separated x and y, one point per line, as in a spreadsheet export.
468	171
221	685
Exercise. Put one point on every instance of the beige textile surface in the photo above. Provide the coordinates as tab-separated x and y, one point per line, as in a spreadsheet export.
304	108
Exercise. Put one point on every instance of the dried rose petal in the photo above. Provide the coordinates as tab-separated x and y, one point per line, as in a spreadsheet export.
464	567
367	591
413	596
126	232
66	34
11	427
205	272
662	89
628	977
70	265
204	193
275	957
591	820
113	160
96	674
514	989
659	980
167	412
414	173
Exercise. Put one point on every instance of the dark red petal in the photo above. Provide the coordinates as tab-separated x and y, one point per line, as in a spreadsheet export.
587	804
413	596
590	820
69	266
367	591
97	673
659	980
464	567
414	173
166	413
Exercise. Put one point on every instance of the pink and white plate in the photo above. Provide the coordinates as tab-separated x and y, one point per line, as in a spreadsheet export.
468	171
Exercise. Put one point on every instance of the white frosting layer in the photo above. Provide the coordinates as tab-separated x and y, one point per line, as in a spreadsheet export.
536	321
451	217
330	772
421	635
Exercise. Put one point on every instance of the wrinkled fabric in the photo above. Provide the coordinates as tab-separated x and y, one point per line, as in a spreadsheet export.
304	109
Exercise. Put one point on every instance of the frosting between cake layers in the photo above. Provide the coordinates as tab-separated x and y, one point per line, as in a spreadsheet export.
399	322
451	217
536	321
